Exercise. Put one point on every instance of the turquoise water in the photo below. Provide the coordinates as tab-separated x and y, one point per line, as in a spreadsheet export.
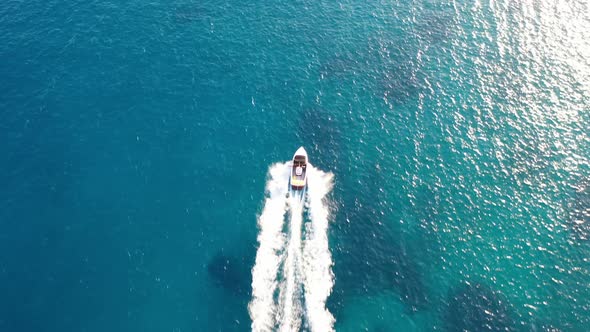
136	138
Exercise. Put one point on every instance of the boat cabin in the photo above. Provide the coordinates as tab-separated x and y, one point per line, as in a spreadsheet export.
298	172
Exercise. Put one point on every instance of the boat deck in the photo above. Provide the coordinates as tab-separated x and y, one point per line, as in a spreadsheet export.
298	181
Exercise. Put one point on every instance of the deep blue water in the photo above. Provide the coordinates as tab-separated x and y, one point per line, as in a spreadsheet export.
135	139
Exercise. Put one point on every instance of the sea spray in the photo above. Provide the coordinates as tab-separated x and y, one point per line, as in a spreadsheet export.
290	292
271	241
318	278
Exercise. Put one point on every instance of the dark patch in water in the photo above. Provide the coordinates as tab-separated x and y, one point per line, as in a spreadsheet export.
403	78
400	78
475	307
435	26
231	273
428	213
529	157
229	270
371	258
400	83
340	65
580	212
322	137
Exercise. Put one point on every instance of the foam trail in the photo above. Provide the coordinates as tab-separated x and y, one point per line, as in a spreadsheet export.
290	316
271	240
318	278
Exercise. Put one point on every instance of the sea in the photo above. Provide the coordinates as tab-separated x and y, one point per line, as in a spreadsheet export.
145	152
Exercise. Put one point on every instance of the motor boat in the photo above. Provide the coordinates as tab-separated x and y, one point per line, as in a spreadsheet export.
299	170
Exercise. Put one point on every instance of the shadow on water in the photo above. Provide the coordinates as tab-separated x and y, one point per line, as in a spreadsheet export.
369	257
475	307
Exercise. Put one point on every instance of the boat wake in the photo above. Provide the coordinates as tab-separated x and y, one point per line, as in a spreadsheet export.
271	242
317	259
292	276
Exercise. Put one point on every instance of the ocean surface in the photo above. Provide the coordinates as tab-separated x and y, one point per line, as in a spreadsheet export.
138	141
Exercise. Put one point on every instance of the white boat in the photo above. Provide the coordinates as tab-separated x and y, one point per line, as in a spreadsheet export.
299	170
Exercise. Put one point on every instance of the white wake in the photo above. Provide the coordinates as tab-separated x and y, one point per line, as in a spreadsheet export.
317	259
292	277
290	294
271	241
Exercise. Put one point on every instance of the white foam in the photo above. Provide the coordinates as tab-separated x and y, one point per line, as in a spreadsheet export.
290	317
305	264
317	260
271	240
